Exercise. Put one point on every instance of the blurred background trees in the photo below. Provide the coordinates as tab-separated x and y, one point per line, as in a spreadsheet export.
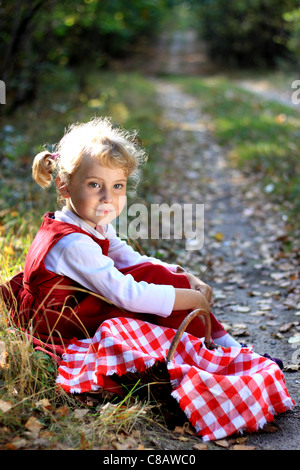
89	34
250	33
36	34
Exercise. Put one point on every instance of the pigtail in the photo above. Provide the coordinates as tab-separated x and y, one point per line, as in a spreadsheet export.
44	165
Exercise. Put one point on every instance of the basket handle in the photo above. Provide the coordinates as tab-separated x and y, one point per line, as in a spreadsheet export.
207	341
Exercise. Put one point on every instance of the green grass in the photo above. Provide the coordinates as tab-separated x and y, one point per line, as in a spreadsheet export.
260	136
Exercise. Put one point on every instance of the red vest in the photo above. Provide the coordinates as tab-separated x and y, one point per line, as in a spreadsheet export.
55	308
50	304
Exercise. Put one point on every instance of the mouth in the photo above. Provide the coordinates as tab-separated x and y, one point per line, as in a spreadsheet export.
104	210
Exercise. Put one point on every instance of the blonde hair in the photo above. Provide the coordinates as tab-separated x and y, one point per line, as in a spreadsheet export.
99	139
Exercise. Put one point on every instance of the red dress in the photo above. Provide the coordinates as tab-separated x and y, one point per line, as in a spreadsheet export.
56	309
221	391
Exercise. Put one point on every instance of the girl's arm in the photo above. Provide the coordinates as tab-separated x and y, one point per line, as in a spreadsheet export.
78	257
124	255
197	284
189	299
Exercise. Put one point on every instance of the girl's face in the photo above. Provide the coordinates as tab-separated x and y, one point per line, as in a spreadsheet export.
97	194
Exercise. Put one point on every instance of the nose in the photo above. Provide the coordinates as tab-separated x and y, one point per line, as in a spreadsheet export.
105	195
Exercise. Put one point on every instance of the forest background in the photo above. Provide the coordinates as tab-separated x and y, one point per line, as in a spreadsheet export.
52	52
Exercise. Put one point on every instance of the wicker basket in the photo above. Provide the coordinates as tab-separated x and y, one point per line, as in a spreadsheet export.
154	384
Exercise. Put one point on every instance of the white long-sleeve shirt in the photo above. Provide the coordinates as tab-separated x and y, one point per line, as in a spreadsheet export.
80	258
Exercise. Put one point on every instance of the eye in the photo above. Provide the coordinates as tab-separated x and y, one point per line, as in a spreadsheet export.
119	186
94	185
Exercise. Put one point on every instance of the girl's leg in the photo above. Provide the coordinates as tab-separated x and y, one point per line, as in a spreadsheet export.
159	274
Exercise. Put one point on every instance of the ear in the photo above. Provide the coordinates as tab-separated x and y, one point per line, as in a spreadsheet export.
62	188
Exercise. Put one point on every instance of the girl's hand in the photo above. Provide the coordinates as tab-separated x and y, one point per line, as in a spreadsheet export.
190	299
199	285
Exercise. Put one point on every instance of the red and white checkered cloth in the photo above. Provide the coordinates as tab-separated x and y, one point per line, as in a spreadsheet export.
221	391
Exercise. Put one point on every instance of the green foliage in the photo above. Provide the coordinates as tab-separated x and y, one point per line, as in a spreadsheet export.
81	33
246	33
293	24
93	30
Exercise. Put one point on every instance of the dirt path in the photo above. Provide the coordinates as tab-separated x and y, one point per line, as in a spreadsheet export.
256	285
179	53
269	92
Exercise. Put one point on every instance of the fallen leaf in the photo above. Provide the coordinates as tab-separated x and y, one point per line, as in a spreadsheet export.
3	355
200	446
239	325
278	335
47	434
278	276
34	425
280	118
243	447
241	440
8	250
185	429
239	329
269	428
127	443
292	368
240	308
227	326
254	293
292	300
265	308
16	443
294	339
179	430
62	411
44	404
222	443
286	327
5	406
258	313
84	443
219	236
189	430
80	414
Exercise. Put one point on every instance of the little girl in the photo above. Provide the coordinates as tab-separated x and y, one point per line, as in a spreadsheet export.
108	310
78	272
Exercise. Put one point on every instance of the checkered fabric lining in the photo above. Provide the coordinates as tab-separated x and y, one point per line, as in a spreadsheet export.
222	392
